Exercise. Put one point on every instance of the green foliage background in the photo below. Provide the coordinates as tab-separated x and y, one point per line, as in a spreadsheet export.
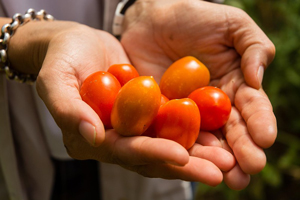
280	179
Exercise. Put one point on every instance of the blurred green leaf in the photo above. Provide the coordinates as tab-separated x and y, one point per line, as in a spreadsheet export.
271	175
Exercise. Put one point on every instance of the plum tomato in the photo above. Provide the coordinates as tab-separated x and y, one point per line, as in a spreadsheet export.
184	76
123	72
150	132
99	91
136	106
214	106
178	120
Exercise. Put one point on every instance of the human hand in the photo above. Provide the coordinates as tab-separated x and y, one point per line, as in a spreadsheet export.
66	53
236	51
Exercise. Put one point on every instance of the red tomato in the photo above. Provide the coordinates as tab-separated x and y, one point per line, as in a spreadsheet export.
123	72
214	106
99	90
178	120
150	132
184	76
136	106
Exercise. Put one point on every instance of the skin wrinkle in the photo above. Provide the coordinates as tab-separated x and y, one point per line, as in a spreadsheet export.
116	148
247	117
228	85
235	30
229	42
199	150
119	148
139	17
69	59
39	55
245	139
232	125
227	33
247	153
162	42
243	107
141	159
166	39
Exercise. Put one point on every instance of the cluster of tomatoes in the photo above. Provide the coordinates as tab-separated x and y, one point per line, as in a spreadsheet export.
176	109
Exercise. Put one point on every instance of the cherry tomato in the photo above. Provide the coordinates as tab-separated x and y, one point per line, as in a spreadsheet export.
150	132
123	72
214	106
163	99
136	106
178	120
99	90
184	76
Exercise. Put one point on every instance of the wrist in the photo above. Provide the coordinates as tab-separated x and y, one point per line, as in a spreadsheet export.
29	45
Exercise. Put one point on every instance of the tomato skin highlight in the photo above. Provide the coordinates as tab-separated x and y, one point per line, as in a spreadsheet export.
214	106
99	91
178	120
136	106
123	72
184	76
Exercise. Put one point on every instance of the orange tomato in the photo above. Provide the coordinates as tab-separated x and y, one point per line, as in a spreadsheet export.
184	76
178	120
136	106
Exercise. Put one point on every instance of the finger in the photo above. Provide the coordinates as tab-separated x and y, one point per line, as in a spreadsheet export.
215	139
142	150
198	170
250	157
257	111
253	45
236	179
226	146
217	155
208	139
254	63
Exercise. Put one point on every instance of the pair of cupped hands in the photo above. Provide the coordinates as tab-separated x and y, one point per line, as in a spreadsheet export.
155	34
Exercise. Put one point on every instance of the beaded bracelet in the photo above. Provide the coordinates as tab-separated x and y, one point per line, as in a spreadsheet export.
7	32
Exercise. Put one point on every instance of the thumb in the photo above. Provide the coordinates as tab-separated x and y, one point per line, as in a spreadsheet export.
60	92
255	48
255	60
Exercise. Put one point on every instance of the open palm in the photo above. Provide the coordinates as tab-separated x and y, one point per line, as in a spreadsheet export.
235	50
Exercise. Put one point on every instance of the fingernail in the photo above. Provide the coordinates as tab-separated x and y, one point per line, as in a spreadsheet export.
260	74
88	131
